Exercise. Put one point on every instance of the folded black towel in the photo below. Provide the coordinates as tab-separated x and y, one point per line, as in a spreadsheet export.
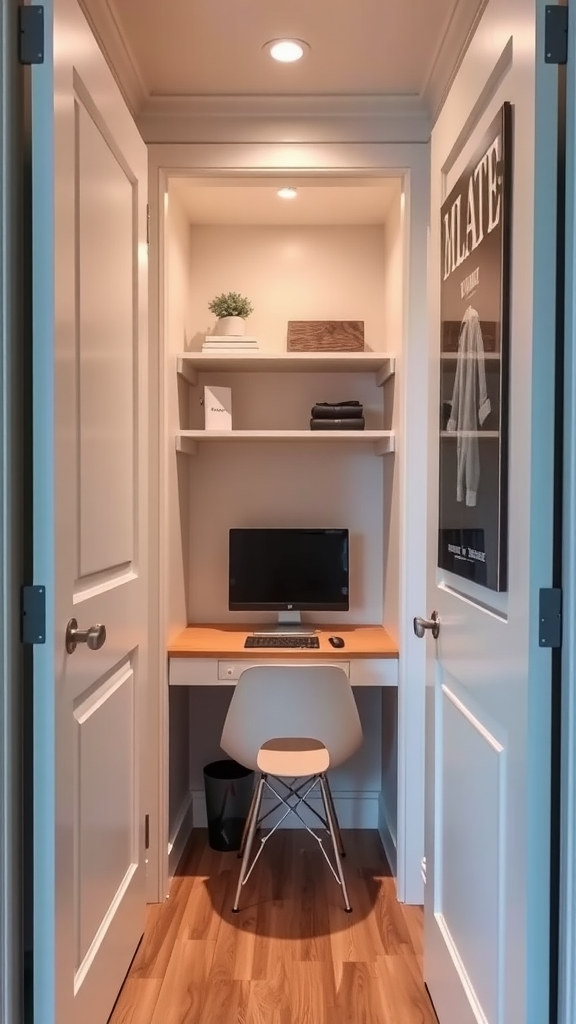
336	410
357	423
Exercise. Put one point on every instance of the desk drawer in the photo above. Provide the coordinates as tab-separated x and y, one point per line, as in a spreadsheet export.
374	672
229	671
214	672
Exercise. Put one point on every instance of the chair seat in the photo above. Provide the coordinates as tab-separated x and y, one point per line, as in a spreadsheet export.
293	756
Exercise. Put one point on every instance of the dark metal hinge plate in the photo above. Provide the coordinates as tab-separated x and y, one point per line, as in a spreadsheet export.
555	34
147	832
550	618
31	34
33	615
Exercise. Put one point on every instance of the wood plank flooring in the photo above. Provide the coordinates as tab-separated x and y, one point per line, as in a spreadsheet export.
292	955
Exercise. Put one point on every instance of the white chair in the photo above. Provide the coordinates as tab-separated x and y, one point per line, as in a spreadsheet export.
292	722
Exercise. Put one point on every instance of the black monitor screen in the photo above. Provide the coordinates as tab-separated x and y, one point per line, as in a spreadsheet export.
284	569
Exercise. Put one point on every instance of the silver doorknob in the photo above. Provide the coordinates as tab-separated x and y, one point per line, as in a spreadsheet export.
94	636
433	624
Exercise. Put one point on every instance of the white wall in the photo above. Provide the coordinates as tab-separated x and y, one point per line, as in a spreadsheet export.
300	272
281	486
290	273
177	257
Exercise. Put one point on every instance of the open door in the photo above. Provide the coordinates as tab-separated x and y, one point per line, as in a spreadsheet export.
90	525
491	466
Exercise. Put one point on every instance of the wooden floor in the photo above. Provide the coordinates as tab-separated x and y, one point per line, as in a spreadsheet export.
292	955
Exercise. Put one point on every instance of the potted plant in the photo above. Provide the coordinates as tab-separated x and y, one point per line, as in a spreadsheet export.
231	310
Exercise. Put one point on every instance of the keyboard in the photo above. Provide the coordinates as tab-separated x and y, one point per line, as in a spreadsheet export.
307	642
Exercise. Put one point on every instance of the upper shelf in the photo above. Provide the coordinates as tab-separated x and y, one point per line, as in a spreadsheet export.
383	441
191	363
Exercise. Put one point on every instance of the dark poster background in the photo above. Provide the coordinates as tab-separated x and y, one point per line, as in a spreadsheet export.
472	536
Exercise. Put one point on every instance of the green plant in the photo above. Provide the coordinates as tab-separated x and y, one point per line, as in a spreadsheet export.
230	304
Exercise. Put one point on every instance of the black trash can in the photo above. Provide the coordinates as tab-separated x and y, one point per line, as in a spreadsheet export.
228	786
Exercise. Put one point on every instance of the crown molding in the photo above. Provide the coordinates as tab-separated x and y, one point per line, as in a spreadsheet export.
456	37
103	20
168	119
299	105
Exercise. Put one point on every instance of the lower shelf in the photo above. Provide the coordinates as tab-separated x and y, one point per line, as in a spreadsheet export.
383	441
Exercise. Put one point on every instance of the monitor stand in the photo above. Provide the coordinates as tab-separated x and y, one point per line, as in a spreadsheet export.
288	622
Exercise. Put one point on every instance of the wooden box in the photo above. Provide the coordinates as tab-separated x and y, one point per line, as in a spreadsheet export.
325	335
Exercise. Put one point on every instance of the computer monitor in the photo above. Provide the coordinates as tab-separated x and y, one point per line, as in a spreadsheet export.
288	571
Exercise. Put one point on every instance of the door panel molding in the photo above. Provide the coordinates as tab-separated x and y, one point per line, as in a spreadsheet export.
469	896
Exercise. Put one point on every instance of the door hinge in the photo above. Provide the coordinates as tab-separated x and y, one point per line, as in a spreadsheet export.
31	34
147	832
555	34
550	618
147	224
33	615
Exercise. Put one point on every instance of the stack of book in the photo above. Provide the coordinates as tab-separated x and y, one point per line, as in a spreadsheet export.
229	343
337	416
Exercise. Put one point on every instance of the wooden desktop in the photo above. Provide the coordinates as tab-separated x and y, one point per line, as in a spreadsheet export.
227	641
210	655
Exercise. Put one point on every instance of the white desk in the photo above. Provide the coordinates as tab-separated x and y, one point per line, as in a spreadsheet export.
214	655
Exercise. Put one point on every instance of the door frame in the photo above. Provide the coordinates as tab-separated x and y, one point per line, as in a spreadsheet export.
567	878
410	161
14	528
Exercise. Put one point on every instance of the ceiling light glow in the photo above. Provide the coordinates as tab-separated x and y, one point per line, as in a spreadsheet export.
287	193
286	50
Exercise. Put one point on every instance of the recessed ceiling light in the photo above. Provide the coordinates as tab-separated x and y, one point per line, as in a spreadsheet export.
286	50
287	193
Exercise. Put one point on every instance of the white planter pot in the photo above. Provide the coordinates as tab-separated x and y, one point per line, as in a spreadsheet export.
231	326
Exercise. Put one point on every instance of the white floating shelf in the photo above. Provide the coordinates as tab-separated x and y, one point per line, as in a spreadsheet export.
190	364
383	441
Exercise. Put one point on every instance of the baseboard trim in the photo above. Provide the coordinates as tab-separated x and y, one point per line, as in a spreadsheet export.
354	810
387	837
180	834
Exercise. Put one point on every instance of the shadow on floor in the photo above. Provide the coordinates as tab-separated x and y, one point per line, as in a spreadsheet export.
291	893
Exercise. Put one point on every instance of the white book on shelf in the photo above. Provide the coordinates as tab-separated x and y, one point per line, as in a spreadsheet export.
230	344
229	339
214	350
217	407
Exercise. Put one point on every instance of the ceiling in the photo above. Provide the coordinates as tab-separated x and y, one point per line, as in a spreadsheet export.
214	47
185	49
347	201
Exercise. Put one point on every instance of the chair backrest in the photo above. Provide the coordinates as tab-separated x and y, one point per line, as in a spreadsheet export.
278	701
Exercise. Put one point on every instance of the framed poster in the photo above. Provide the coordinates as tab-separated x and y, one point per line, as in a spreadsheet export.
474	361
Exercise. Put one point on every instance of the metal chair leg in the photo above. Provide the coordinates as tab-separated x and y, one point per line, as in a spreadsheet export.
248	820
330	821
335	817
249	841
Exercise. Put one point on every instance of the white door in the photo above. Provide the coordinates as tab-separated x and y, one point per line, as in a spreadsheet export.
90	524
488	681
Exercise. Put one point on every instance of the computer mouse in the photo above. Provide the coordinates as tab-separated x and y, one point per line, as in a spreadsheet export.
336	641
